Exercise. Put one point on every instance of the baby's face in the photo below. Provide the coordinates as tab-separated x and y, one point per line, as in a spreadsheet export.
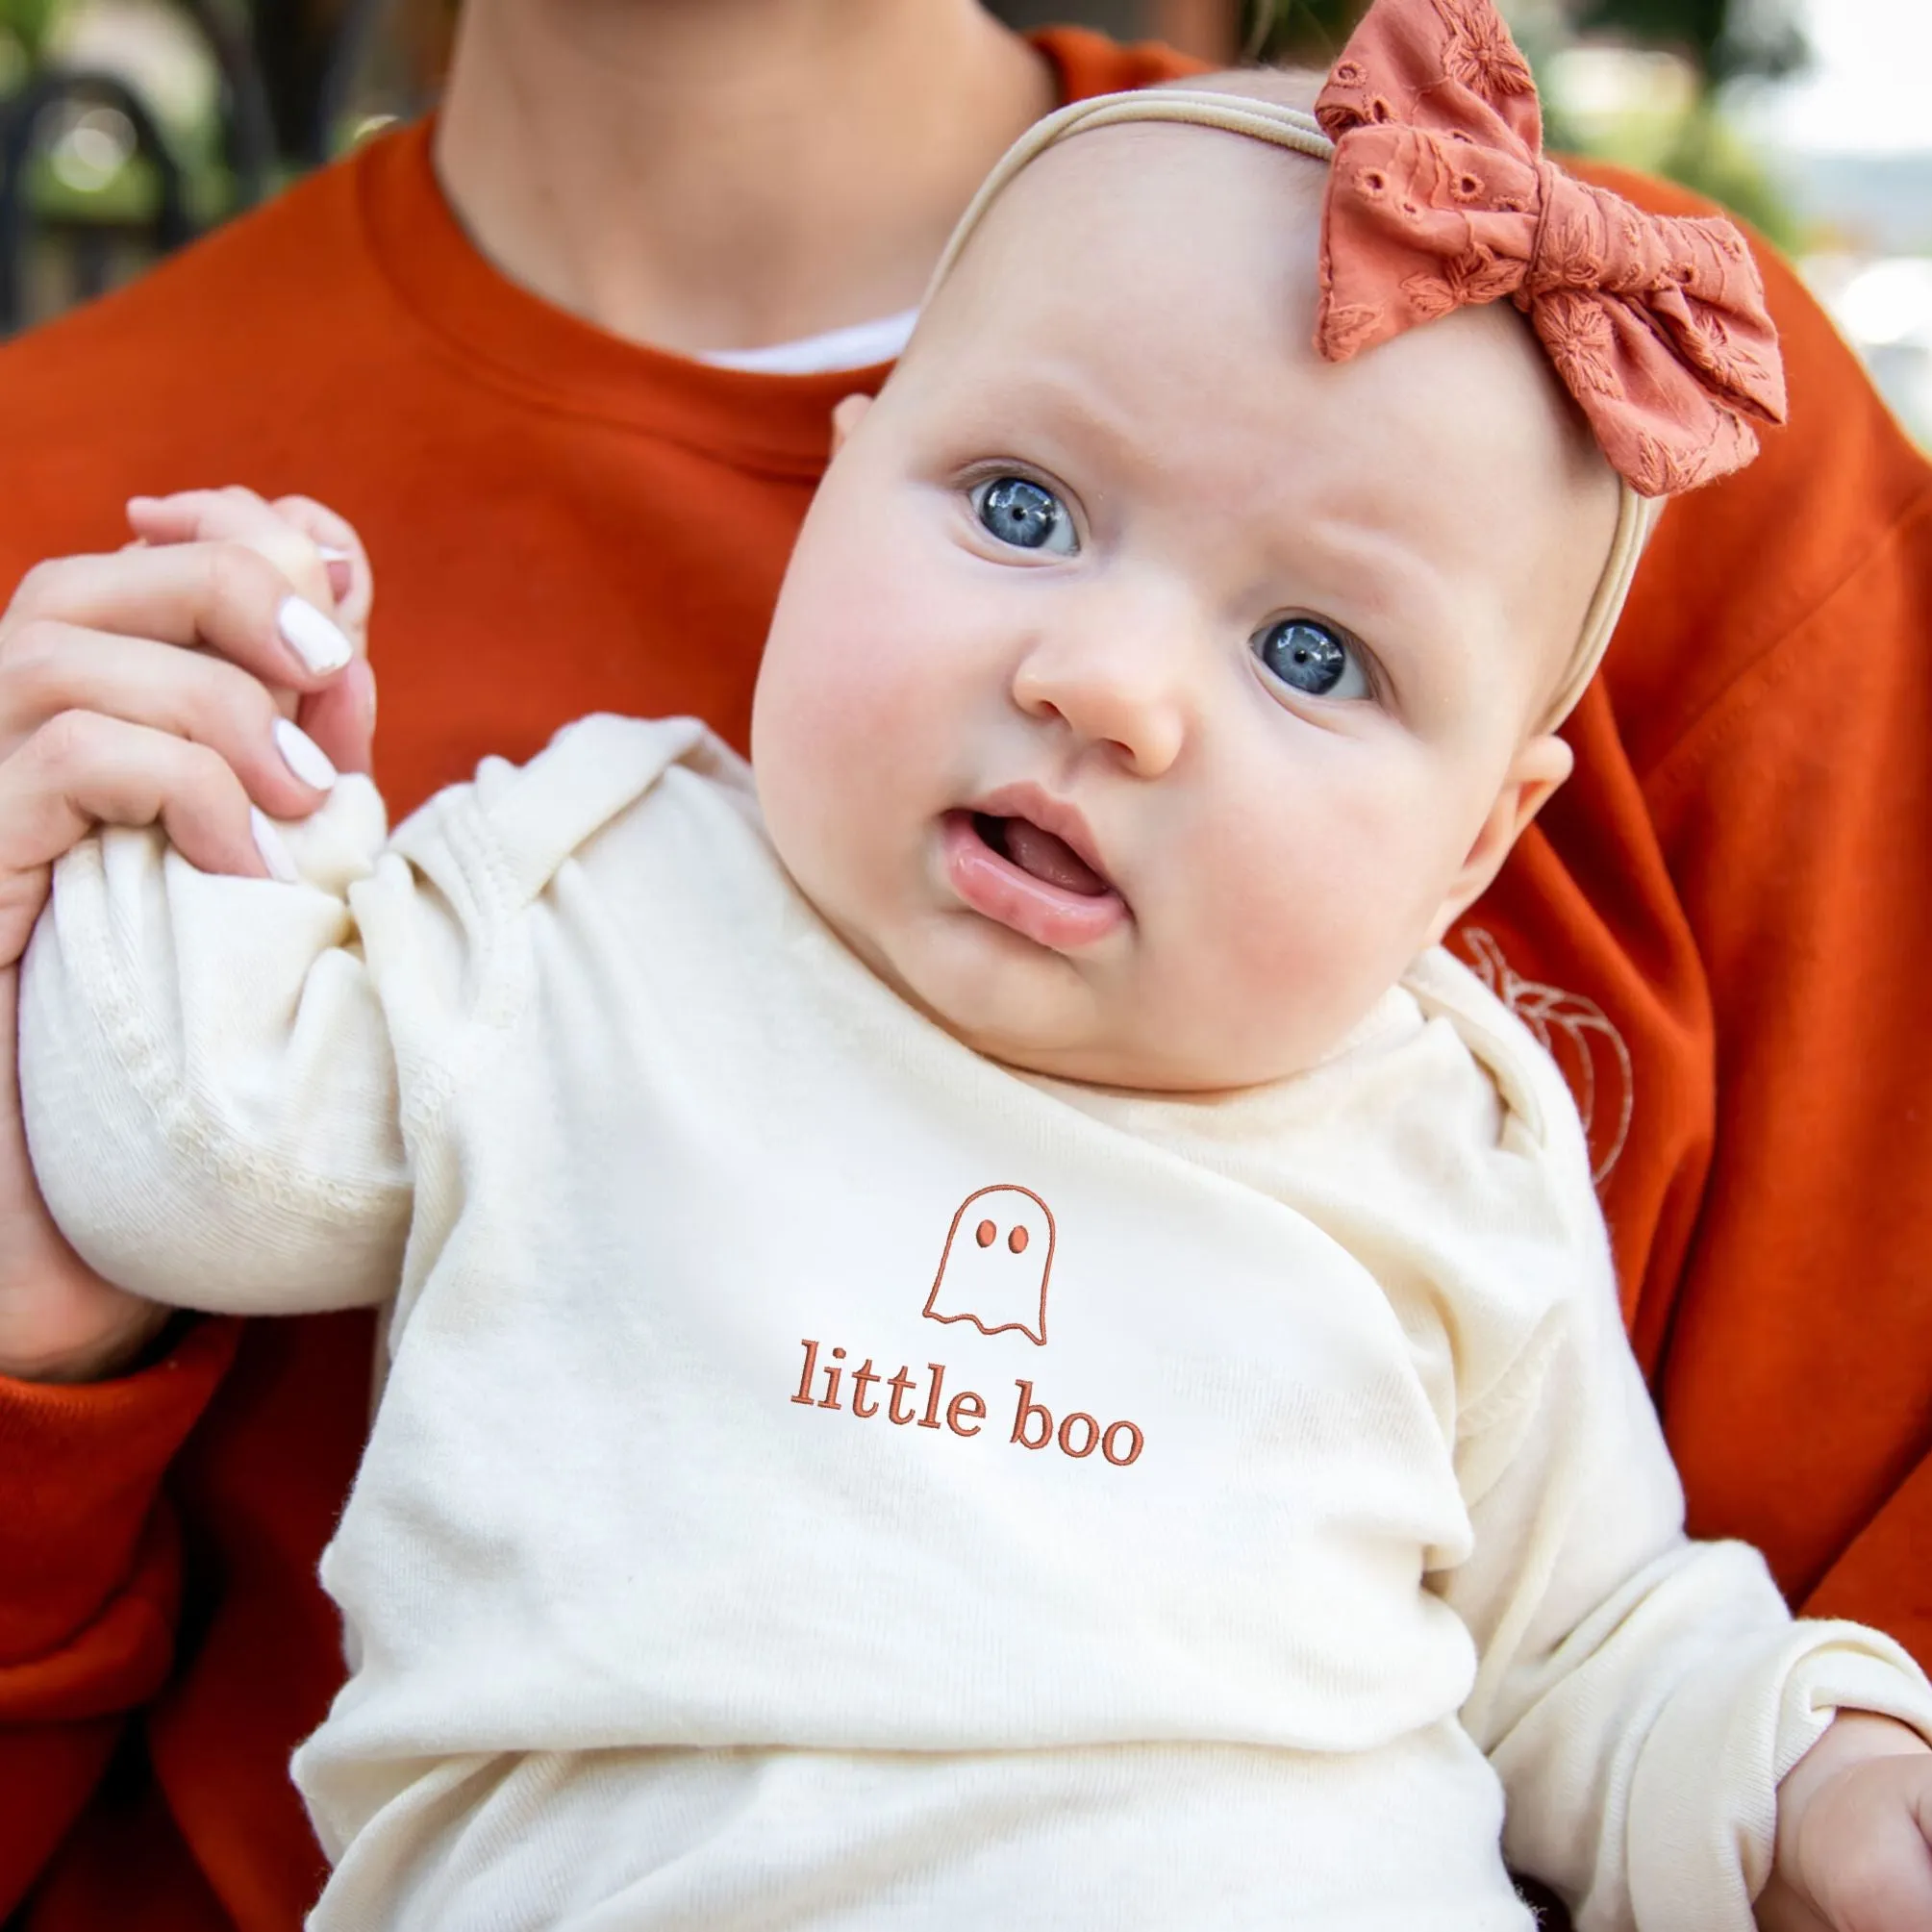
1144	691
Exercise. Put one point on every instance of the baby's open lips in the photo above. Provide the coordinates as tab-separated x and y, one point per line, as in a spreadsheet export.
1042	854
1046	838
1028	862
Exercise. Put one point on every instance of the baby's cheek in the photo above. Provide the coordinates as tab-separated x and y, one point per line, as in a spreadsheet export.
1303	931
836	747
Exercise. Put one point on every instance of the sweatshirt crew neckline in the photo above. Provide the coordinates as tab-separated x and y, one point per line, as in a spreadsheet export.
548	357
519	342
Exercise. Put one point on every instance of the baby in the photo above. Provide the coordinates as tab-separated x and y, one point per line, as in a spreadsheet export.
989	1331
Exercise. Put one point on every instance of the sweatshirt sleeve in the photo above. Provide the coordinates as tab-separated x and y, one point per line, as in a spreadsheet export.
1747	830
1639	1694
207	1077
91	1562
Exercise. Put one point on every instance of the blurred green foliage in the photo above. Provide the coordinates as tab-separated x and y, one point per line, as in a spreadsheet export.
1705	152
1720	42
1299	33
1723	39
28	21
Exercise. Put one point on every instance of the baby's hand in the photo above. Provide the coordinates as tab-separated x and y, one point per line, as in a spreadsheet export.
321	555
1855	1843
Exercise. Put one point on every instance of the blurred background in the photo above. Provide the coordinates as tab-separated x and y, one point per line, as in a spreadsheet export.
128	126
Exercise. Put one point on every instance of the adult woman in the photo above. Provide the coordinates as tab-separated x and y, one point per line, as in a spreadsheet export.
704	176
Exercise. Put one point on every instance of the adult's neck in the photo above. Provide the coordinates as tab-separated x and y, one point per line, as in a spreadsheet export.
724	174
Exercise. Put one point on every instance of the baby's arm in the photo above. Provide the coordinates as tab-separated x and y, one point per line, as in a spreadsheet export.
207	1080
206	1075
1640	1695
1854	1839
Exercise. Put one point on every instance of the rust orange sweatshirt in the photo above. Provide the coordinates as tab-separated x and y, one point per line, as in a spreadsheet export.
1720	926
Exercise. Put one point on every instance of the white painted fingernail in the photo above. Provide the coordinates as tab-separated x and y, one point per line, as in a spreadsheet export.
303	756
268	842
312	637
333	553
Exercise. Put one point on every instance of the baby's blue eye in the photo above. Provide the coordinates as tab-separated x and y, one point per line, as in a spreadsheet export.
1311	657
1025	514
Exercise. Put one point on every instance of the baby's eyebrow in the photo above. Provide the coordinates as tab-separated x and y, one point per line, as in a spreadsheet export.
1377	583
1070	406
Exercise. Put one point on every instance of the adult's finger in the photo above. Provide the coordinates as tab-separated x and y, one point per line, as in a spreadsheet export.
235	514
314	544
341	716
54	668
82	769
340	544
224	597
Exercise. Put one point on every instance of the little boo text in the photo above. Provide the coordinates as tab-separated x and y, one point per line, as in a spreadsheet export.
902	1400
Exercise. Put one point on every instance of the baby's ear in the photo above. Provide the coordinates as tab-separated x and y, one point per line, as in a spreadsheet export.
1540	764
847	415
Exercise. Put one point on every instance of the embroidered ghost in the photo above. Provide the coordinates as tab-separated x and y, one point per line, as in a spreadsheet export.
998	1256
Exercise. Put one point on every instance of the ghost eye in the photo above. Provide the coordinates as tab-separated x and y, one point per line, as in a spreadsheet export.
985	1234
1016	1240
1311	657
1025	515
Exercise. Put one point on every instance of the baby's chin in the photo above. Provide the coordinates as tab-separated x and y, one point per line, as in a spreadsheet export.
1041	1017
996	993
1128	1047
1088	1021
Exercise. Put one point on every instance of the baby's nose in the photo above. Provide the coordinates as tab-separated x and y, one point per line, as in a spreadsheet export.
1117	681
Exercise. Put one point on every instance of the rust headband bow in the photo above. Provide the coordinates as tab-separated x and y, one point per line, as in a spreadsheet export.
1439	198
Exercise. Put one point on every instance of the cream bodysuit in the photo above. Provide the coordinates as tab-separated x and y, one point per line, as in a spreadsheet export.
826	1478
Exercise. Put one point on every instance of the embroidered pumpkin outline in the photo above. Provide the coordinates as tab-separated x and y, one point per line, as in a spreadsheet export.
1568	1028
1004	1243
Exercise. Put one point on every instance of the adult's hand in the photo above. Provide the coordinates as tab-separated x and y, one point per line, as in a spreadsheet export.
210	674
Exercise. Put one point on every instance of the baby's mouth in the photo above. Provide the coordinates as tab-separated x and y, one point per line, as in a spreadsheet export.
1040	853
1013	870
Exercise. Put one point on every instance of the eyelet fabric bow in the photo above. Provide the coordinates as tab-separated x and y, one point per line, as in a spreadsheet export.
1440	198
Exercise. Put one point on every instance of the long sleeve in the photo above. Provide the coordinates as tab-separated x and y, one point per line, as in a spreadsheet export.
1639	1694
209	1085
92	1559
